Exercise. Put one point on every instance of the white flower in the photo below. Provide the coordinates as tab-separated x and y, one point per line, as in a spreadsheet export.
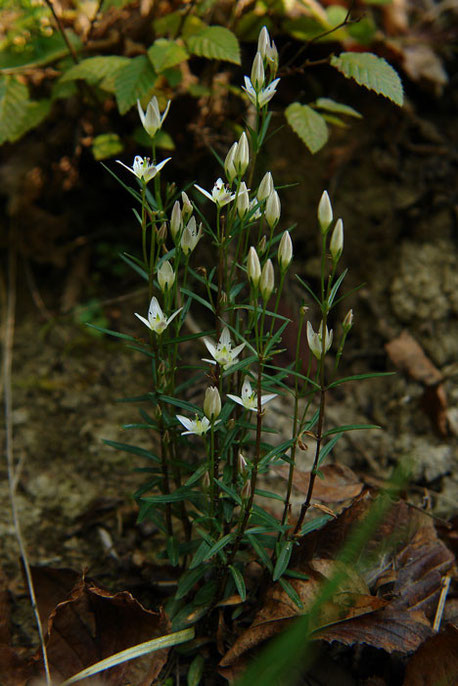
165	276
196	426
223	353
249	399
255	211
315	340
152	119
325	212
156	319
261	98
191	236
220	194
143	169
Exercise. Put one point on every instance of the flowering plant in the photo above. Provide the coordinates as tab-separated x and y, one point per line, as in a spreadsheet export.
203	483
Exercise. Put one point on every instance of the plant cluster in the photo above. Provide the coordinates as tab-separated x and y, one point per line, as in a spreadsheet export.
211	389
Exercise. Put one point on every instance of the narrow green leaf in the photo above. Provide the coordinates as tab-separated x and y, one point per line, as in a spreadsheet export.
372	72
336	287
358	377
110	332
195	671
218	546
283	559
314	524
324	452
308	124
199	555
134	449
166	53
175	497
350	427
187	581
215	43
230	491
239	582
172	550
292	593
132	653
268	494
260	551
333	106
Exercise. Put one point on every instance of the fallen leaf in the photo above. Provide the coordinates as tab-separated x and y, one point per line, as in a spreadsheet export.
436	662
407	355
92	624
339	483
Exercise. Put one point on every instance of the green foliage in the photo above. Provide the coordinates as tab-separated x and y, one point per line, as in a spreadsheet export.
309	125
166	53
215	42
18	114
372	72
106	145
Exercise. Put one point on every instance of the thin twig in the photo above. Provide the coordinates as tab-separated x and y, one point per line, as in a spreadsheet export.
70	47
8	399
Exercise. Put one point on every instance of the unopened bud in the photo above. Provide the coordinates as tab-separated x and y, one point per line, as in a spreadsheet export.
348	321
315	340
263	41
212	403
246	490
267	280
176	220
242	155
229	166
253	267
265	187
187	207
262	245
285	251
190	236
206	481
243	200
325	212
241	463
161	233
165	276
336	243
257	73
273	209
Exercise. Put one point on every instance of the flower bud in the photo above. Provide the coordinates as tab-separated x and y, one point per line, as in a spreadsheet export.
241	463
265	187
273	209
262	245
187	207
212	403
243	200
176	220
348	321
257	72
161	233
263	41
206	481
242	155
267	282
325	212
246	490
285	251
336	243
165	276
229	166
253	267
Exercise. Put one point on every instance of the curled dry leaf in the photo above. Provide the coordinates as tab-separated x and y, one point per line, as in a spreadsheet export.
339	483
91	624
407	355
387	599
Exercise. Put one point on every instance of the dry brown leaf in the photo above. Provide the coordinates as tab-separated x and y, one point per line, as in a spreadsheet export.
436	662
407	355
339	483
92	624
403	552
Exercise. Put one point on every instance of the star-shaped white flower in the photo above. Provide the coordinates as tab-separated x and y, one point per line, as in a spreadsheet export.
249	399
196	426
223	353
143	169
263	96
315	340
220	194
157	321
152	119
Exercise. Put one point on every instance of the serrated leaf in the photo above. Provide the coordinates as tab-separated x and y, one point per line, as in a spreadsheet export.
166	53
372	72
14	98
106	145
215	43
95	69
34	113
308	124
333	106
133	81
